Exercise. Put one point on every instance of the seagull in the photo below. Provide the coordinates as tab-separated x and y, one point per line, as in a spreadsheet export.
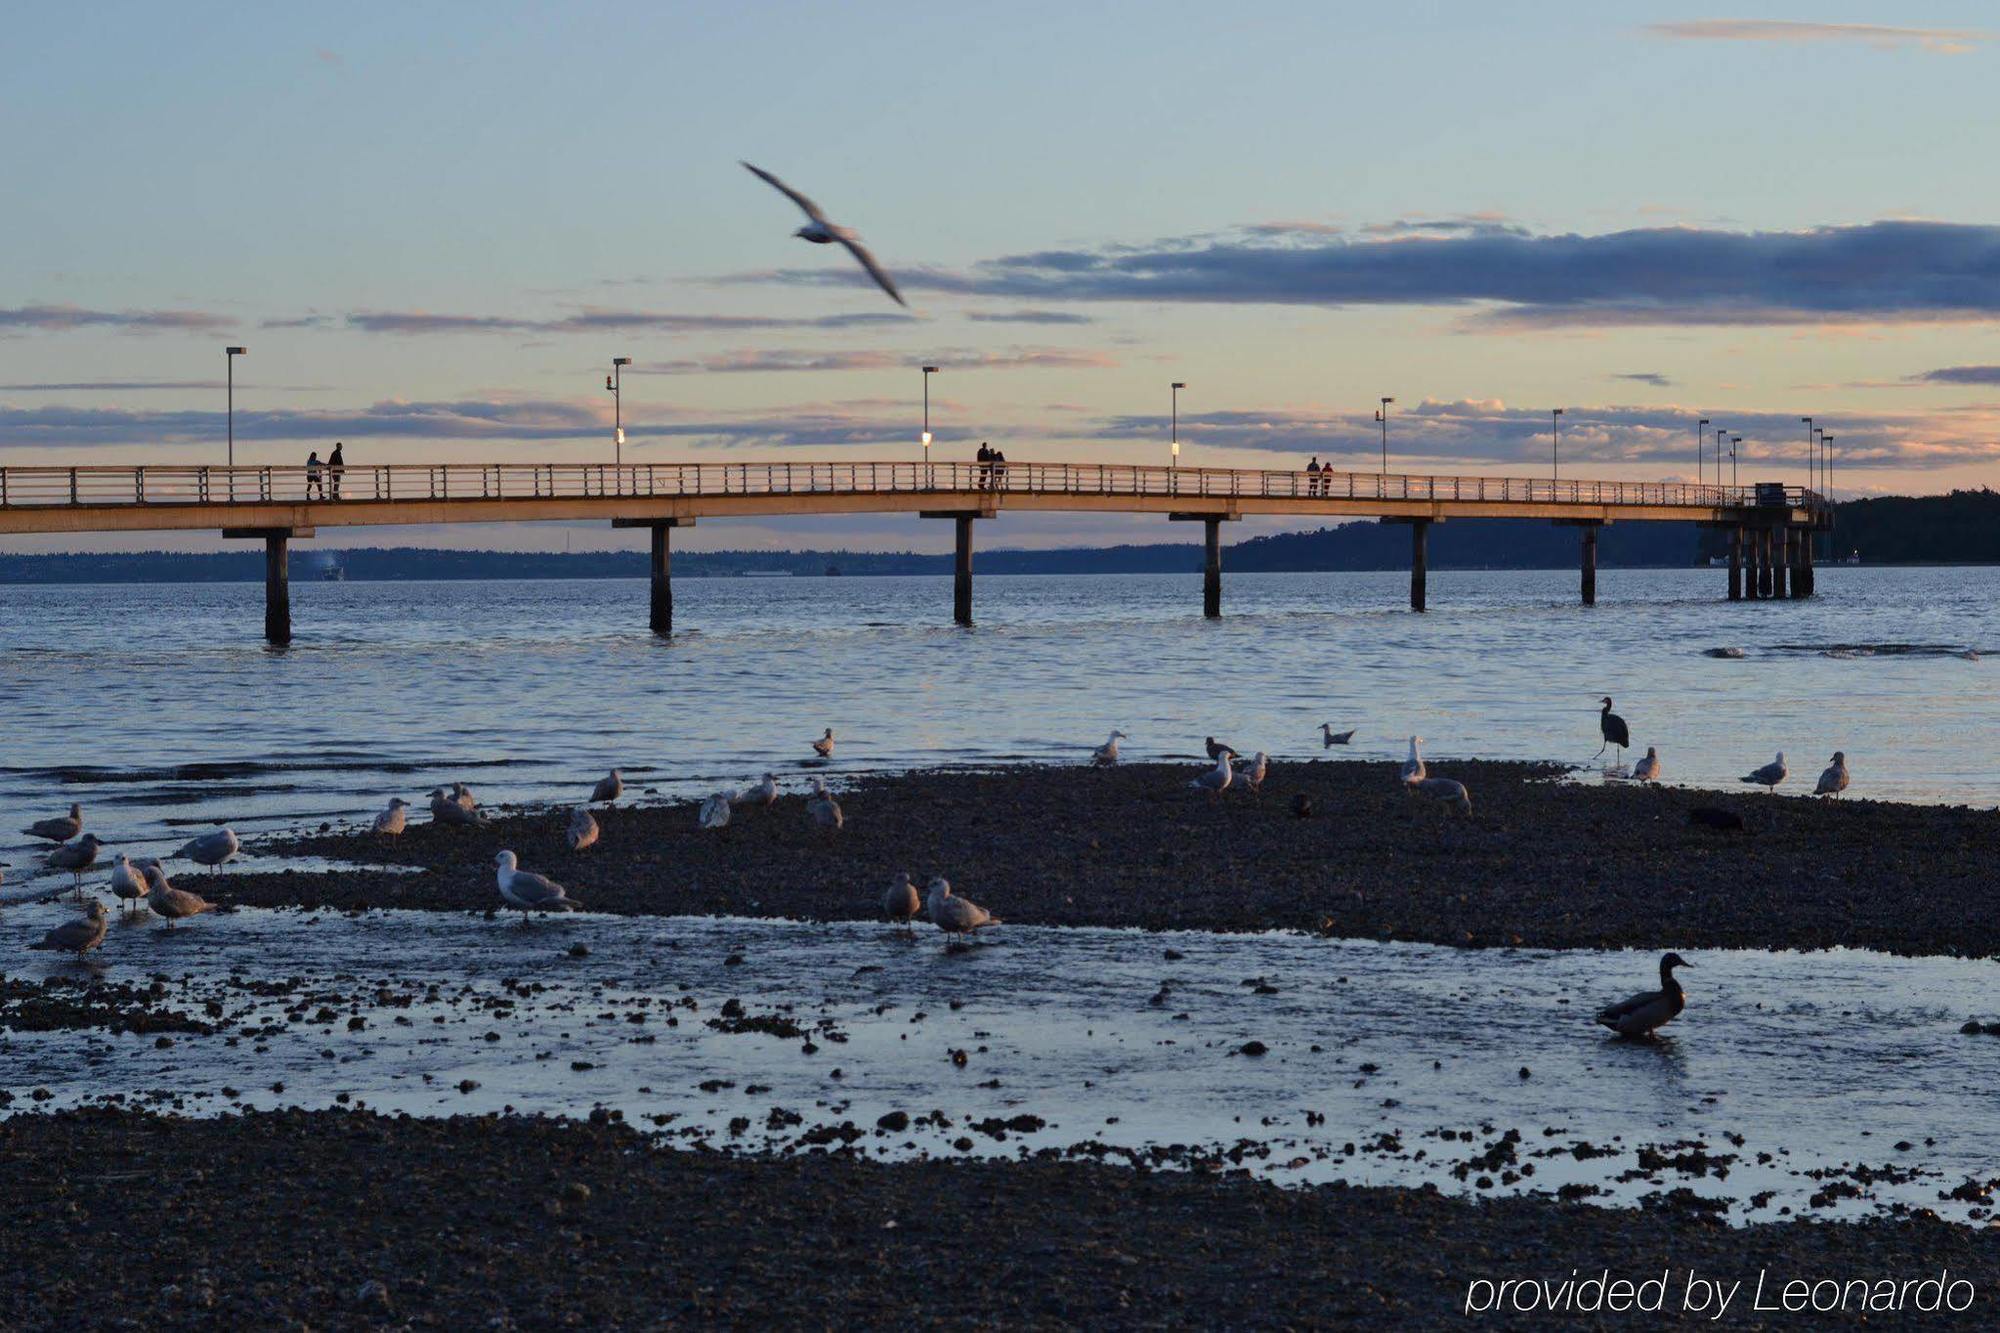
1647	769
169	902
58	830
1770	775
582	830
1413	767
823	747
1644	1013
1613	729
825	811
392	821
77	937
75	857
528	891
822	232
463	795
608	788
447	809
714	812
1216	781
128	881
211	849
1445	792
901	903
1329	738
1216	749
955	916
1252	774
1105	755
764	795
1834	780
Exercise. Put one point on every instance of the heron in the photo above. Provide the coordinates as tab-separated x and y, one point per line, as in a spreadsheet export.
1614	730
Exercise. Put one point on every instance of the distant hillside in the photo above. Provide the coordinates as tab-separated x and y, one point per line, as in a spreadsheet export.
1960	528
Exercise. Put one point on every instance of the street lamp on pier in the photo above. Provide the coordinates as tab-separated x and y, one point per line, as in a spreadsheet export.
1382	420
1555	443
1734	440
1700	433
615	382
926	436
1809	450
229	355
1174	426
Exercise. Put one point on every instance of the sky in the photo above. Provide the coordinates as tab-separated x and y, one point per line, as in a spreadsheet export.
434	226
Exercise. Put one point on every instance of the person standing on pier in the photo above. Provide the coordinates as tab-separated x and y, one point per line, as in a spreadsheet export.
985	456
314	486
999	470
1312	476
334	463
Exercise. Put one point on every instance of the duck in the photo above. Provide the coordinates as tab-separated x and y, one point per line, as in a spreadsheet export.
1834	780
1769	776
1647	769
529	891
823	747
1328	737
1647	1012
901	902
1105	755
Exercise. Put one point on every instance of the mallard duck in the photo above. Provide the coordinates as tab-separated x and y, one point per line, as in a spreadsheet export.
1641	1015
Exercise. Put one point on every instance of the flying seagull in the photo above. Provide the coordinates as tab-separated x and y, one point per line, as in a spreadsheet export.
822	232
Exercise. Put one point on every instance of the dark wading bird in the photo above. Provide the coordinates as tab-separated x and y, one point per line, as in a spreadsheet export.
1614	730
1644	1013
820	231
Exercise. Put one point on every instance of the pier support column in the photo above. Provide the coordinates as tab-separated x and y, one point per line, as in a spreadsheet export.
1767	547
1805	578
1752	543
659	567
1736	563
1211	569
1419	570
277	577
1781	563
961	573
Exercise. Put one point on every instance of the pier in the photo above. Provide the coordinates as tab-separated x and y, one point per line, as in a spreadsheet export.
1768	525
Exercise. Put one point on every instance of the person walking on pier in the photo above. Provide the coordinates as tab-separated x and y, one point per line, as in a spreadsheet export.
314	486
334	464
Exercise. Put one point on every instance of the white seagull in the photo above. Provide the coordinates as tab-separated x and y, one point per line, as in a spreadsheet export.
128	882
1445	792
1105	755
1770	775
714	812
1647	769
956	916
825	811
1834	780
392	821
820	231
529	891
1413	767
764	795
582	830
211	849
1252	773
1328	737
1216	781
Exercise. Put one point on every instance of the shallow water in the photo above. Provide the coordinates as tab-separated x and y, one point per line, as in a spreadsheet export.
1820	1063
159	708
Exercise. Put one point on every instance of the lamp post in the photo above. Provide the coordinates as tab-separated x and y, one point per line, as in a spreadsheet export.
1720	436
1809	449
1382	420
1734	440
925	438
1826	465
1174	428
229	355
1555	443
1700	433
615	382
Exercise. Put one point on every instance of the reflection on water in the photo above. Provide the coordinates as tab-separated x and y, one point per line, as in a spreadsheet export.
1791	1076
158	707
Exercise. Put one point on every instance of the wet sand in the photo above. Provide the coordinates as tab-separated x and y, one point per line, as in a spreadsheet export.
347	1220
1539	862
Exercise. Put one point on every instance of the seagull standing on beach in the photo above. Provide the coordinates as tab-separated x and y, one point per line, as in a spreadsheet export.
823	747
820	231
169	903
1106	755
582	830
1769	776
393	820
1834	780
1413	767
77	937
1647	769
528	891
824	810
211	849
1648	1011
1216	781
714	812
448	809
608	788
901	903
1445	792
1251	774
60	829
128	882
75	857
953	915
762	796
1328	737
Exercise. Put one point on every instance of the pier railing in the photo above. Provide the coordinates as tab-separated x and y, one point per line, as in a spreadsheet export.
176	484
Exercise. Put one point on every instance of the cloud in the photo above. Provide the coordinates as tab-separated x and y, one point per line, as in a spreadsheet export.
1881	272
780	359
141	386
1652	377
1943	41
1027	317
589	319
67	318
1961	375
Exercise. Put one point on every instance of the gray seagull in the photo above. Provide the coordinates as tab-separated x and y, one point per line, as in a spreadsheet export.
820	231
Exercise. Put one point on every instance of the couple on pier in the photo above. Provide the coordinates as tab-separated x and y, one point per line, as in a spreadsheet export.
335	464
992	467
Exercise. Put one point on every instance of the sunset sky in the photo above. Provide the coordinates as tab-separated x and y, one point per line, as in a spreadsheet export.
434	227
